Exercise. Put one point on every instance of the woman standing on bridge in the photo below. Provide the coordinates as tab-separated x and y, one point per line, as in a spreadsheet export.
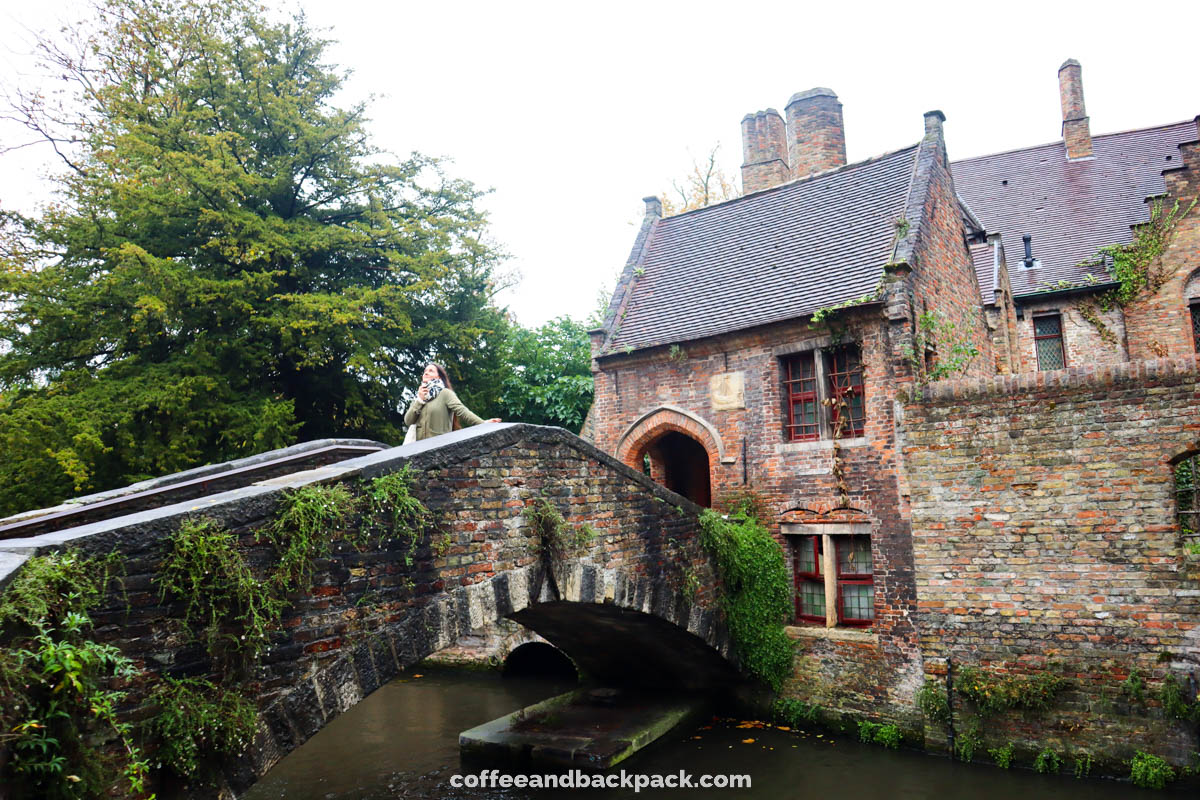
437	406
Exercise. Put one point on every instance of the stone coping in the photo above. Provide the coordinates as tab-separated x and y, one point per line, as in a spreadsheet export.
832	634
238	507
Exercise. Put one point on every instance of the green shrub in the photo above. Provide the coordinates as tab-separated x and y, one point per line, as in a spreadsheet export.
931	699
1083	764
796	713
968	742
1047	762
57	706
993	694
889	736
1175	703
391	496
1150	771
1003	756
197	718
867	729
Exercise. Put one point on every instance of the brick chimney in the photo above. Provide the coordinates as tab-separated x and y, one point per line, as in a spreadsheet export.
1077	133
816	138
764	151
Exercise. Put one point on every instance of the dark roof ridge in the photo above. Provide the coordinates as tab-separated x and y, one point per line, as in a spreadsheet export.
1059	142
796	181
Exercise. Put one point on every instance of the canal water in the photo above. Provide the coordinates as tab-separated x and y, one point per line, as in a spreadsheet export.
402	742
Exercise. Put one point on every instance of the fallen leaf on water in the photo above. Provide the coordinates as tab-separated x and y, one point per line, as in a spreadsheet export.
783	727
697	737
418	676
747	741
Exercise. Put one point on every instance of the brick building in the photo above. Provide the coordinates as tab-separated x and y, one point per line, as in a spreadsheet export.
774	342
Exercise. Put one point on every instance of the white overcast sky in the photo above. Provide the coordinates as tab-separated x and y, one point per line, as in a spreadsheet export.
572	112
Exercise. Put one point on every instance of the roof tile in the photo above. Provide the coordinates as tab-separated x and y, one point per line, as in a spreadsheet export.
770	256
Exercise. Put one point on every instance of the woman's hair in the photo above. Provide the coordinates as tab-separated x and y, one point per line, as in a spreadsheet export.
442	374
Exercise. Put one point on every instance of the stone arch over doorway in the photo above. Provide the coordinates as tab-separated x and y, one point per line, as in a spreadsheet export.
683	450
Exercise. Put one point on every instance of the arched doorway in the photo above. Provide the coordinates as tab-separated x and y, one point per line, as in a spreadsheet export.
680	463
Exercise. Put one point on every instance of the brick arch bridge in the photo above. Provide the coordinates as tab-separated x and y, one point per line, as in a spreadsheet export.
615	603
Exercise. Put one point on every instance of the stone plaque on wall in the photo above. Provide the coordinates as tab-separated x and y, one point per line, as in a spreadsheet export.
727	391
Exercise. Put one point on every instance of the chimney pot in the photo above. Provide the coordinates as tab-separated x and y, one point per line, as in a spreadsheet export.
1077	132
815	133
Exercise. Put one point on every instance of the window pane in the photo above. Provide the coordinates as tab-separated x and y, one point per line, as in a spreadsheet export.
1050	354
808	554
1186	490
1047	336
812	598
800	395
846	386
1047	326
858	601
854	555
1196	327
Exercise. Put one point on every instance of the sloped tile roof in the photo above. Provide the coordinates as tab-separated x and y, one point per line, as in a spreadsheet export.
1070	208
774	255
985	270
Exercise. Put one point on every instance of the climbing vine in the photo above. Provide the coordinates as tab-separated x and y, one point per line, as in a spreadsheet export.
824	314
1135	266
757	593
953	351
224	603
309	521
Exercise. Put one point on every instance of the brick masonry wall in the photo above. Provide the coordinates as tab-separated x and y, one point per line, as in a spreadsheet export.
795	479
1081	341
370	614
1044	536
1160	325
944	278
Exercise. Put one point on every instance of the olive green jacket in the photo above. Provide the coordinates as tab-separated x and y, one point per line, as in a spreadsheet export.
437	416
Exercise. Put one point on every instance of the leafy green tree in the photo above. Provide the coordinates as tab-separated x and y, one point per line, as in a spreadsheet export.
230	264
550	382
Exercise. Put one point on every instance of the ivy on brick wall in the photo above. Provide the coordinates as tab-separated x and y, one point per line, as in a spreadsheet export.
1135	266
59	722
57	695
757	593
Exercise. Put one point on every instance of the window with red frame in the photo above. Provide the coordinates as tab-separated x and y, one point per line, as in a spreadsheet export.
855	581
844	368
810	583
852	582
800	391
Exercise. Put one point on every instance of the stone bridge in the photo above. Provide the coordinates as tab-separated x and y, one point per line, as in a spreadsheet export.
631	602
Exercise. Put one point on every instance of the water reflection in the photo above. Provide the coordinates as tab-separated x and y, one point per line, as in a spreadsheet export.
402	742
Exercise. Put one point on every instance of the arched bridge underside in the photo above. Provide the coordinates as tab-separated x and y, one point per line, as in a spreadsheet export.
609	591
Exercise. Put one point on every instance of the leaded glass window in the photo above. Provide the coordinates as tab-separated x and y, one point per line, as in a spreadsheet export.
1048	340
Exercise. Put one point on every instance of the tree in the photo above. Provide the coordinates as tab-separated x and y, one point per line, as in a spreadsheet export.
230	264
550	378
704	185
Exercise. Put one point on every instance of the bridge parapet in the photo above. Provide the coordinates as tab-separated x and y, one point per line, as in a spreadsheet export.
634	600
